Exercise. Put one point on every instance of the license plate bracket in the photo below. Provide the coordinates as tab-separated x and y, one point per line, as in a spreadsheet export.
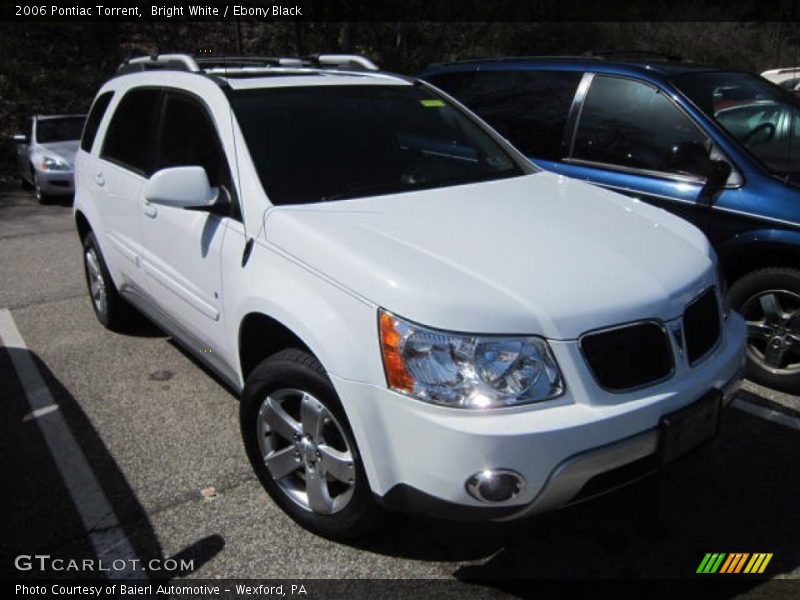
687	428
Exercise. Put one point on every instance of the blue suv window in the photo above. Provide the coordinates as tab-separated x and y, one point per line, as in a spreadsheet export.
529	108
633	125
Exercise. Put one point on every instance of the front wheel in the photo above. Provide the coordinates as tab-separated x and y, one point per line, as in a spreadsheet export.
41	197
769	300
301	447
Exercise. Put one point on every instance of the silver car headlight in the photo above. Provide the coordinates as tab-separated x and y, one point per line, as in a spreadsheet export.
54	164
466	371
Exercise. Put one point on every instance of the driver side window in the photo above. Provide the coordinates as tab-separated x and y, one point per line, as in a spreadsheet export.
188	138
630	124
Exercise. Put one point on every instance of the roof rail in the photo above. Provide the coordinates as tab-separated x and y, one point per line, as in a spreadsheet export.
633	53
245	62
172	62
346	61
221	65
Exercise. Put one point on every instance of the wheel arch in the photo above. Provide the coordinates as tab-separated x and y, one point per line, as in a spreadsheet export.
759	250
261	336
82	225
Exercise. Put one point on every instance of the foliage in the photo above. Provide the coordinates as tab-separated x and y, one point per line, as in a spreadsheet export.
57	67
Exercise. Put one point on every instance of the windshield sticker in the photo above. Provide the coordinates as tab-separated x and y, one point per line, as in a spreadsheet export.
432	103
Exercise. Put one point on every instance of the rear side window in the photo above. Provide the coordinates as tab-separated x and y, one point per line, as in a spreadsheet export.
93	120
131	135
529	108
188	138
631	124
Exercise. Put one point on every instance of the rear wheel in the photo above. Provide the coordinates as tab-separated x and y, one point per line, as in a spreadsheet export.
110	308
301	446
769	300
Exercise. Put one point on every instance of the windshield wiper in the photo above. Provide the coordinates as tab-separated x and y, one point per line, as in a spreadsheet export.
366	190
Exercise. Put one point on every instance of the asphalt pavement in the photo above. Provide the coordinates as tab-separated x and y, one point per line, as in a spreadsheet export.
158	432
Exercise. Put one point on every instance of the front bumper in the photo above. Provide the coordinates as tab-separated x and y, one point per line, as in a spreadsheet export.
56	183
419	456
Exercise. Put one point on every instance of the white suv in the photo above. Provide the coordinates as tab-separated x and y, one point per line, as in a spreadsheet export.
416	318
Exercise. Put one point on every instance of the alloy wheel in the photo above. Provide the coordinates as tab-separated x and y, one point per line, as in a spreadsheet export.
773	330
37	188
97	284
306	451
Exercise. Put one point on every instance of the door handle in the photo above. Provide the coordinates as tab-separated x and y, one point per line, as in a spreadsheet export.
99	179
149	209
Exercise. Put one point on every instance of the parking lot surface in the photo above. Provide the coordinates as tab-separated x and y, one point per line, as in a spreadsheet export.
157	431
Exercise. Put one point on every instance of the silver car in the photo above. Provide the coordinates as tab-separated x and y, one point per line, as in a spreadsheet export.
46	154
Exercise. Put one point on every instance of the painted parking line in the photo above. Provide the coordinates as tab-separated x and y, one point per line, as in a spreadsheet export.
101	523
766	413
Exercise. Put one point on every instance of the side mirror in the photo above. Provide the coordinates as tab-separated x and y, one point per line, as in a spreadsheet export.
20	138
690	157
717	177
181	187
693	158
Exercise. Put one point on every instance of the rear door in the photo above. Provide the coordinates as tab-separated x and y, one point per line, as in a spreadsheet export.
127	159
530	108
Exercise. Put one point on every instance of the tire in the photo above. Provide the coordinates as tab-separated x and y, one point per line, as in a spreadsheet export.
769	299
40	196
293	381
113	311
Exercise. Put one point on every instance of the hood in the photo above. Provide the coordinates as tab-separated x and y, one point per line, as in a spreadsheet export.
538	254
64	150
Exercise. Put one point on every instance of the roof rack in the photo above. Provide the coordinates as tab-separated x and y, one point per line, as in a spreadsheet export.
633	54
231	64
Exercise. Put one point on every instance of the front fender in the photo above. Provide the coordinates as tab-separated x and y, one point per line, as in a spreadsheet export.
339	327
745	244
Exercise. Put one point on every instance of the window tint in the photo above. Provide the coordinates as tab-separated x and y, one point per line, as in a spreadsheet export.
59	129
188	138
93	120
456	84
325	143
130	139
631	124
529	108
763	118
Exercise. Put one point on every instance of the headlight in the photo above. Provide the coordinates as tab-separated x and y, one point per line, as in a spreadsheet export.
54	164
466	371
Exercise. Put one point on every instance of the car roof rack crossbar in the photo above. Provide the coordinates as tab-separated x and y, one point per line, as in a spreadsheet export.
634	54
351	62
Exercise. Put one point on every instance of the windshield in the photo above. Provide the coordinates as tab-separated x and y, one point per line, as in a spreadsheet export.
321	143
763	118
61	129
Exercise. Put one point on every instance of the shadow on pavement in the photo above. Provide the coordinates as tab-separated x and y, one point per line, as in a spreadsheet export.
39	514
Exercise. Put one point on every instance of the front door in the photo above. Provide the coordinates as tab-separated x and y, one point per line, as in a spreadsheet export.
627	139
182	247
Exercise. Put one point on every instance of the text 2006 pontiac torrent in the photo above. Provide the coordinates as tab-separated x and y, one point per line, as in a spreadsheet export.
416	317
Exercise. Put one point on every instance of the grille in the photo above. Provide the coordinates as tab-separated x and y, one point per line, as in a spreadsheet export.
629	356
701	326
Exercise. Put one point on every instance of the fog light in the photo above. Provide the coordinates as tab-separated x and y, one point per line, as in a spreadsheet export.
495	485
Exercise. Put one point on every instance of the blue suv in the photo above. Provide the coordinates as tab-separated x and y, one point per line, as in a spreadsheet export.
720	148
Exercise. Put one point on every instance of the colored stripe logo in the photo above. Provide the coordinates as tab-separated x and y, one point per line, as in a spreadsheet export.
735	562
